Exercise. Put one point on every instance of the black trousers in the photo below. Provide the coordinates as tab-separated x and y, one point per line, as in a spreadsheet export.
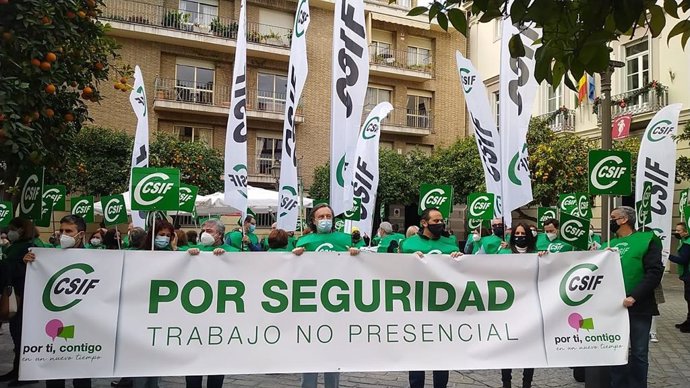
686	295
78	383
212	381
16	333
440	379
527	375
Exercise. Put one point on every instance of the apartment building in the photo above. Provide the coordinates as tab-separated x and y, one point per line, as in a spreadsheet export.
185	49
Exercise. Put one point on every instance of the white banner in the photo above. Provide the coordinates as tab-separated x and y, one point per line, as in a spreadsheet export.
140	152
518	88
656	163
366	168
485	132
288	204
349	88
236	131
326	311
70	313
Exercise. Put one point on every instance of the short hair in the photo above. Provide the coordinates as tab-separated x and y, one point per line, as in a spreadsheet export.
426	214
683	225
216	224
552	221
386	227
411	231
312	214
628	213
191	237
136	237
181	238
278	238
74	220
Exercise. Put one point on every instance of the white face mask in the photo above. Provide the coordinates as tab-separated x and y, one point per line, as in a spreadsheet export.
13	235
206	239
96	242
551	236
67	241
591	233
476	237
534	233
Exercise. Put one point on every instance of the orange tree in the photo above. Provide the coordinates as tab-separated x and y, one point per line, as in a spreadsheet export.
53	56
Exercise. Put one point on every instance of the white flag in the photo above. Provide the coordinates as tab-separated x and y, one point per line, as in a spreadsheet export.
288	209
485	132
349	87
140	152
656	163
366	166
236	131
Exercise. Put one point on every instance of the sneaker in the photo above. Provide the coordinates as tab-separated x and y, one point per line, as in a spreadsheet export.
653	338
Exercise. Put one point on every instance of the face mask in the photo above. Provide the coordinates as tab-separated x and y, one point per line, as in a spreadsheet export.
677	235
96	242
356	236
591	233
161	241
13	235
613	226
476	237
534	233
521	241
498	231
436	229
551	236
252	228
67	241
206	239
324	226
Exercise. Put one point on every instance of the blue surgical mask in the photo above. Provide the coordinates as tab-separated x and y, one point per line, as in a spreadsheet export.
252	228
162	242
324	226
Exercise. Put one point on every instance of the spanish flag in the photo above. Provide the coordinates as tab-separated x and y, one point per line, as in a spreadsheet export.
582	89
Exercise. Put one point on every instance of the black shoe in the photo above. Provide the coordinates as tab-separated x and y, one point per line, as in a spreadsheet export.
684	323
125	382
579	374
11	375
17	383
685	329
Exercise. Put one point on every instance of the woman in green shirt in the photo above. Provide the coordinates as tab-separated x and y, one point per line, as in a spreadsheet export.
278	241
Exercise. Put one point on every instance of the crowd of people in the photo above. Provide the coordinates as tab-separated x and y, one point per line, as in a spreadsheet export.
641	264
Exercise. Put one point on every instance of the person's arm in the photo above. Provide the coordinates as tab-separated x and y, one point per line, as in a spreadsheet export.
392	247
683	257
653	271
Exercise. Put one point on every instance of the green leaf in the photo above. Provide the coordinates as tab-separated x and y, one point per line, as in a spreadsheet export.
416	11
684	38
518	9
657	20
558	71
679	28
626	12
671	8
434	10
515	46
442	20
568	81
600	60
458	20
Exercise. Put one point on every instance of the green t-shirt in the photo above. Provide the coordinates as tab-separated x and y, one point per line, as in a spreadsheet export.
555	246
375	241
420	243
385	242
325	242
210	248
285	249
488	244
359	243
235	238
632	250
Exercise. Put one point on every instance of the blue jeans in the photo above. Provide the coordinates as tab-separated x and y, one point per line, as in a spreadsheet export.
330	379
634	374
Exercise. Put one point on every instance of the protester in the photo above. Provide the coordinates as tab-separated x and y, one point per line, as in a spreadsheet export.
357	240
126	239
111	239
96	239
682	259
72	236
278	241
388	241
430	239
20	234
411	231
211	240
549	241
264	241
191	237
247	241
534	231
521	241
474	239
181	242
640	254
323	232
136	238
491	244
163	239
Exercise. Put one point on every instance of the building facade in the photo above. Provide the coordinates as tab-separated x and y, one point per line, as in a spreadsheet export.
185	49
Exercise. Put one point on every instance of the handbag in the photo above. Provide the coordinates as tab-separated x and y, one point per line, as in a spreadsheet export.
9	304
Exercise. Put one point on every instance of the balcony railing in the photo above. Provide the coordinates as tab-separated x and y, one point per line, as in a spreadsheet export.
560	120
400	59
135	12
405	118
647	101
167	89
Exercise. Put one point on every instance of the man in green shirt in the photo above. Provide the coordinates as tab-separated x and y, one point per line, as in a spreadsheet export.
640	255
211	239
491	244
247	241
682	259
549	241
357	240
389	241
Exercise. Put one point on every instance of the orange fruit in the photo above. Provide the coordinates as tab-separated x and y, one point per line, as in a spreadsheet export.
46	20
81	14
90	3
51	57
45	66
69	117
50	89
123	80
49	113
88	91
99	66
36	62
117	85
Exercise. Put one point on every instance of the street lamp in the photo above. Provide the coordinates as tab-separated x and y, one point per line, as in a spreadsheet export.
275	173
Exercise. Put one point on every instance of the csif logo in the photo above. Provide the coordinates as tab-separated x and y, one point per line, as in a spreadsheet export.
577	283
607	172
68	283
622	248
185	195
549	214
152	188
583	206
288	199
53	194
302	19
473	224
467	79
112	209
371	128
572	230
479	206
660	130
30	192
555	247
568	202
339	224
82	207
434	198
4	211
325	247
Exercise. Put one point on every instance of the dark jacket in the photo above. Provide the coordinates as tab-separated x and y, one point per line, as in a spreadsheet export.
645	303
683	261
14	266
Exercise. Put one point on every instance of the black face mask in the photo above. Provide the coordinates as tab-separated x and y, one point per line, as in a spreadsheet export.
356	236
436	229
613	226
677	235
498	231
521	241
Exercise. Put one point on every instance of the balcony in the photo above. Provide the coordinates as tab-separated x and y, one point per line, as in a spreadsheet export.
137	20
399	64
560	120
187	97
407	122
638	102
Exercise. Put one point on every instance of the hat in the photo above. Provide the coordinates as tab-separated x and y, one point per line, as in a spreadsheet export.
386	227
355	229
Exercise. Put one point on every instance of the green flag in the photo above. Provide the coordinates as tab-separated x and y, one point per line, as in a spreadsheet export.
6	212
31	199
187	197
339	224
355	214
54	196
438	196
576	204
610	172
683	202
574	230
155	188
46	215
545	213
114	210
480	206
83	207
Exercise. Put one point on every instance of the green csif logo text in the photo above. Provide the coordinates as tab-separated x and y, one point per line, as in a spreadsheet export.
66	285
578	283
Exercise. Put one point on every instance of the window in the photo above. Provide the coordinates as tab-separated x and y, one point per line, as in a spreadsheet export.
200	12
637	67
497	111
194	83
271	93
194	134
376	96
381	52
554	99
386	145
418	56
268	151
418	110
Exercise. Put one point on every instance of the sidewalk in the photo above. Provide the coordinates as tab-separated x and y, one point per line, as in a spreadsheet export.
669	362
